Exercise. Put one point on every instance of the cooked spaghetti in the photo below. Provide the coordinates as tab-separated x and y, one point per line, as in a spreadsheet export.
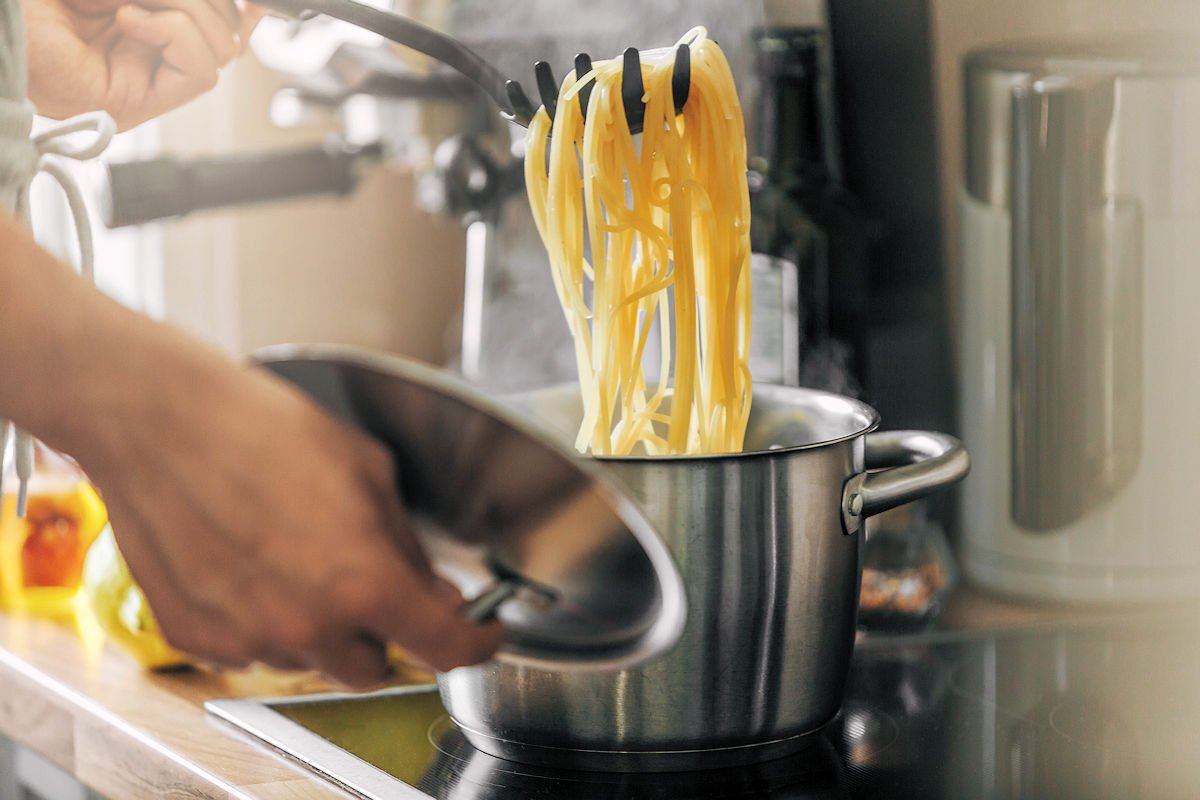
656	230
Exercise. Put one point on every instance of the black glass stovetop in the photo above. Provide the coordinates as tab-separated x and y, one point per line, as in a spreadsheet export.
1048	713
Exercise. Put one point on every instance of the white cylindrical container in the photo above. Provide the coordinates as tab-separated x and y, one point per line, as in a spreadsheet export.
1080	337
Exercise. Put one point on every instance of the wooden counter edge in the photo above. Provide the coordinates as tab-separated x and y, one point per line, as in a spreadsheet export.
128	734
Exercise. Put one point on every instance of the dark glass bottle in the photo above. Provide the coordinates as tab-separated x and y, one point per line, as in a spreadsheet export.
801	210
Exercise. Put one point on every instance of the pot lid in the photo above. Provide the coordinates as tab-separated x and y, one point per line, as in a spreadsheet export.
523	526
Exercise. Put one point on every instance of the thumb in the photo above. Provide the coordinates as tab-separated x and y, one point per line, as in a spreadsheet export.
442	638
251	16
469	642
131	66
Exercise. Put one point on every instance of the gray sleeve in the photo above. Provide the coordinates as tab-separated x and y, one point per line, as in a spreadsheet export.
12	51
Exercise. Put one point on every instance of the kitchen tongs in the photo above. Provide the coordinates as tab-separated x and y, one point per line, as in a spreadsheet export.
507	94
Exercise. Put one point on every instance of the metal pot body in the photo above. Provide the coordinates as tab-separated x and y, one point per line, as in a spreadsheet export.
768	545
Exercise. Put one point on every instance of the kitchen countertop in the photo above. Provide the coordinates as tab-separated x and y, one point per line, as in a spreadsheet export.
126	733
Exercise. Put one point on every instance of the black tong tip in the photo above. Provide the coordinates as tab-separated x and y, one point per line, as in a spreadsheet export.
632	88
583	65
522	109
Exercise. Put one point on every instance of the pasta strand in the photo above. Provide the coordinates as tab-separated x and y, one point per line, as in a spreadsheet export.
654	230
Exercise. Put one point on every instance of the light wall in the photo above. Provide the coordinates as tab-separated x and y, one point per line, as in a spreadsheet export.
374	270
959	26
371	269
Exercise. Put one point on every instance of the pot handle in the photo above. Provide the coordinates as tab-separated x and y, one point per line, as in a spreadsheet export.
912	464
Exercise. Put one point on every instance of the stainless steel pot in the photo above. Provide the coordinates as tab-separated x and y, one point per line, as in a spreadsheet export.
768	544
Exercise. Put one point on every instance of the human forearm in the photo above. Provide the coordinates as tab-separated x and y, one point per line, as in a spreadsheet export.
43	310
259	527
76	366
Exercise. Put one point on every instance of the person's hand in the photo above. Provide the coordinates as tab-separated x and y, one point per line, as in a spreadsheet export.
259	527
263	530
134	60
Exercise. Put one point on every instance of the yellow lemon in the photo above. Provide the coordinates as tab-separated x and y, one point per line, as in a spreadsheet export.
121	608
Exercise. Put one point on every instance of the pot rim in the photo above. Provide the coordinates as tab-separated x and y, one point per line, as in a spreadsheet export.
868	412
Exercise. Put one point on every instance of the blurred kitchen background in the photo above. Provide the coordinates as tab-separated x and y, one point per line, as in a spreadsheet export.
979	216
855	113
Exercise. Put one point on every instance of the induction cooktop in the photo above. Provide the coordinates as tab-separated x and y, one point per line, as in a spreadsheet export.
1076	712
